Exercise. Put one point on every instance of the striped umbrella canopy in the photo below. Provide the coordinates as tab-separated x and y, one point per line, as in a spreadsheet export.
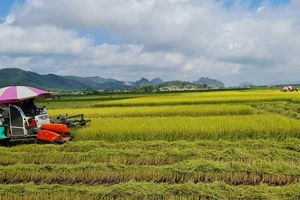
13	94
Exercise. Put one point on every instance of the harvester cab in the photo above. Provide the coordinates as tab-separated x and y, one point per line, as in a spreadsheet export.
19	124
20	119
16	125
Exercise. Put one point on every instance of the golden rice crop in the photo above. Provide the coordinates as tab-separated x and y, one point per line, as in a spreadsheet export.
83	101
164	146
159	111
190	128
172	99
204	98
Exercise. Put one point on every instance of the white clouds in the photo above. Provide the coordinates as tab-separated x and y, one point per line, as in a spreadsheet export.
261	8
9	19
211	67
88	13
281	27
128	56
21	61
187	37
40	40
295	3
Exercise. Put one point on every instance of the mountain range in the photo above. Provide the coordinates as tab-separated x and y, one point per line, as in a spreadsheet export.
15	76
213	83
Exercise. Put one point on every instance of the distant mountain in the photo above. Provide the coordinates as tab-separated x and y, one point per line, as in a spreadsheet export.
86	81
98	79
178	86
213	83
156	81
174	83
143	81
246	84
97	82
14	76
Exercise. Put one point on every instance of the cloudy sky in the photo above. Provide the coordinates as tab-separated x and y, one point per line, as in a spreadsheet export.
233	41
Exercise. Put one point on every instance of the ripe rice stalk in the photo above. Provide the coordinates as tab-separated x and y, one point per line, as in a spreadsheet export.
204	98
200	171
151	153
289	145
190	128
159	111
147	190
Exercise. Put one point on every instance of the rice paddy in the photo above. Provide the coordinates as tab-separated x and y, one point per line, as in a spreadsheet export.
208	145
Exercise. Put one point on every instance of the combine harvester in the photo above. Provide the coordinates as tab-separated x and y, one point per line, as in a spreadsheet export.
289	89
21	120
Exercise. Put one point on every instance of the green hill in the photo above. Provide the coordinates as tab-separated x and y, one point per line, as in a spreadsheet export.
14	76
174	83
212	83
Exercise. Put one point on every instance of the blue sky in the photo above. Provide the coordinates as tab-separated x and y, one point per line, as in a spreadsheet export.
256	41
101	36
257	3
5	6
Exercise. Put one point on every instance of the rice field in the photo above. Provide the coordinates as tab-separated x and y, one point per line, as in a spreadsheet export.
208	145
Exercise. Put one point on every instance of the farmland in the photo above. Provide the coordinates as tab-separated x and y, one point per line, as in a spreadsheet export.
210	145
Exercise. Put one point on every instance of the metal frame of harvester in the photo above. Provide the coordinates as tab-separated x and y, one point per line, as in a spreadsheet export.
15	125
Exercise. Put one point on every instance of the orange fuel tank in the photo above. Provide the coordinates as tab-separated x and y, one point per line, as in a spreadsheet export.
47	135
58	128
50	136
